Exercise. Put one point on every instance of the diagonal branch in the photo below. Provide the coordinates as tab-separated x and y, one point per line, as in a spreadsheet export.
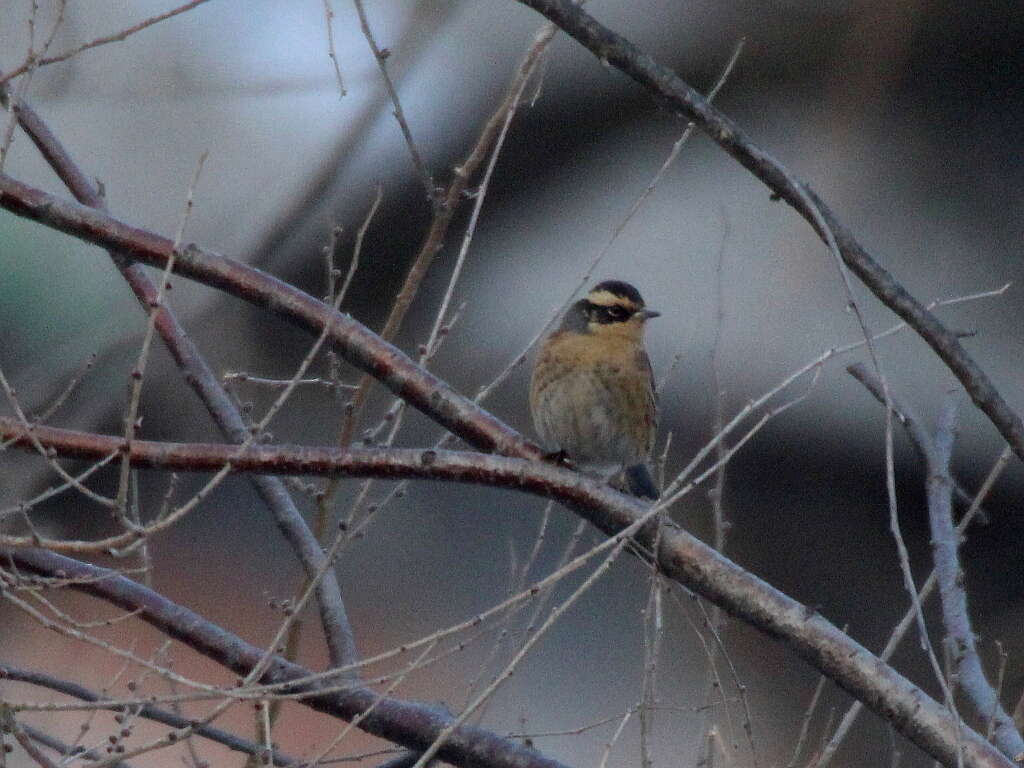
350	338
410	724
955	617
680	556
611	48
333	616
148	712
116	37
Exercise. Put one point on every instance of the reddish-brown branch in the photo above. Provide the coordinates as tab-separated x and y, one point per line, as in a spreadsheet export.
396	463
351	339
670	89
200	377
410	724
680	556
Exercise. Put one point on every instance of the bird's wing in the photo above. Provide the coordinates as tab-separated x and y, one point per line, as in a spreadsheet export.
644	363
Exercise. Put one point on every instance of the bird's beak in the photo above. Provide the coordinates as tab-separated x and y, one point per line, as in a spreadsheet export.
649	313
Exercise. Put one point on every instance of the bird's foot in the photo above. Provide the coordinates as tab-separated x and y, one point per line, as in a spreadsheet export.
559	458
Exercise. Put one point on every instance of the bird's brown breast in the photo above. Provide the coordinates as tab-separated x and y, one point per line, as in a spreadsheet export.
592	396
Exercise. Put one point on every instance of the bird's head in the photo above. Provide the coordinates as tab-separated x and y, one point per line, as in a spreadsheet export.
611	308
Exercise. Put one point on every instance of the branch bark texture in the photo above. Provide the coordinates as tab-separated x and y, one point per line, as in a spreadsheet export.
340	639
670	90
971	676
410	724
679	555
350	338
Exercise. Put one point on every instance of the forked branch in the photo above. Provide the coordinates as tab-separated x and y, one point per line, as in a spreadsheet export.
666	86
679	555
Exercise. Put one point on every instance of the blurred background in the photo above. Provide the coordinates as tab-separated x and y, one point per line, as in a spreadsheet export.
905	117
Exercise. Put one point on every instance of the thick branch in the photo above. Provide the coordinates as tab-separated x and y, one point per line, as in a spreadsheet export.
680	556
410	724
353	341
390	463
672	91
341	646
937	451
945	546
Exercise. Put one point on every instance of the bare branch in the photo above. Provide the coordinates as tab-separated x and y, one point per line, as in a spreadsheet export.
106	39
680	557
146	711
413	725
47	740
920	437
615	50
331	52
10	725
443	214
945	546
381	56
352	340
915	431
199	376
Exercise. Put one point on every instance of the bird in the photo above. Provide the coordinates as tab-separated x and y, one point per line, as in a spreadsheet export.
592	393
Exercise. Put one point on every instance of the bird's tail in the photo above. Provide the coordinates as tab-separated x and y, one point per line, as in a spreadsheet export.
640	482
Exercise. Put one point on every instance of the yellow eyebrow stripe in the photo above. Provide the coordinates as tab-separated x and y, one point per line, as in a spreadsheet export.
609	299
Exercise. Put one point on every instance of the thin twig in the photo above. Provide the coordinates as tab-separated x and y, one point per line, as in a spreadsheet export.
805	722
230	378
198	374
665	85
65	750
680	557
131	424
443	215
430	346
620	540
12	398
610	745
106	39
717	492
975	510
914	430
331	52
381	56
72	384
10	725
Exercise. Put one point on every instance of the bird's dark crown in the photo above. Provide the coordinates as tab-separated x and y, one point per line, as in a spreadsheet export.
609	303
620	290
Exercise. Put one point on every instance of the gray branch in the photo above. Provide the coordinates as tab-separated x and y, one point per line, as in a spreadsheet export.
955	617
669	89
937	451
148	712
338	633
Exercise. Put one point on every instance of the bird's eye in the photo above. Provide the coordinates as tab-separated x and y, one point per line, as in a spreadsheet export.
618	313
